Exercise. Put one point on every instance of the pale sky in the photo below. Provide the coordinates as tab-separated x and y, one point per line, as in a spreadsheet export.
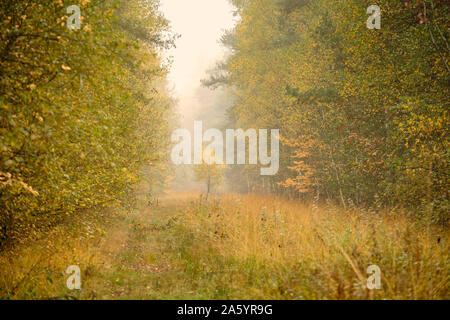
200	23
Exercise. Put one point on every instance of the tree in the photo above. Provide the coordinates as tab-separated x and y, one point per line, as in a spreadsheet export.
81	111
209	171
363	113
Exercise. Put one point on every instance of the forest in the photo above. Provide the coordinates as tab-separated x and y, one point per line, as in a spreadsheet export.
86	178
363	114
82	111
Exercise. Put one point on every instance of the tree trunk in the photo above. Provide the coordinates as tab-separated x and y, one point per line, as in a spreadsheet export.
208	187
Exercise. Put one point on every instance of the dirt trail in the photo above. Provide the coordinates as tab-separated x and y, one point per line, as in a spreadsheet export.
229	247
140	255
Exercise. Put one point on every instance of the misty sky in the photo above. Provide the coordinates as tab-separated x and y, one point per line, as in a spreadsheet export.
200	24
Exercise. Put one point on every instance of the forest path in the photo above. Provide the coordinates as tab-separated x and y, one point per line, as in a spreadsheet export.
232	246
129	254
144	258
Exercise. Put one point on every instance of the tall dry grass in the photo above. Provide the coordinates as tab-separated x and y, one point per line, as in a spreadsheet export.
266	247
35	268
232	247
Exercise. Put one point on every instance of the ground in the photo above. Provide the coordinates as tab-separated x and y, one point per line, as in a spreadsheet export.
231	247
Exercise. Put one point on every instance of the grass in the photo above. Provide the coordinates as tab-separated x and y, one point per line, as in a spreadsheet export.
233	247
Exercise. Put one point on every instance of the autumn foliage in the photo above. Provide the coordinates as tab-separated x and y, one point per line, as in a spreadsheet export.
81	111
363	113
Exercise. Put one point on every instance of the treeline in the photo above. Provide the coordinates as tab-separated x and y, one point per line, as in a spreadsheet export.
82	111
363	113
